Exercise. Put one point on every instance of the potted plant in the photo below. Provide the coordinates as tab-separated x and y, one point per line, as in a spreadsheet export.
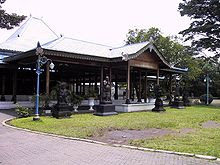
150	96
76	101
91	98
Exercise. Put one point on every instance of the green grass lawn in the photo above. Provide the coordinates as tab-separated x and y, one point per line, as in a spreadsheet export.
204	141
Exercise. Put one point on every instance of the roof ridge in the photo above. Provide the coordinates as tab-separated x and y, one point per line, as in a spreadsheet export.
147	42
20	31
88	42
48	27
53	41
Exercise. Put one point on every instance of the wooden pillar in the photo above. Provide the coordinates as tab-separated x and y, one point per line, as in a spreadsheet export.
145	87
3	88
158	74
170	83
80	85
14	97
89	81
84	85
101	83
139	97
110	81
77	84
128	84
73	85
133	85
170	89
96	86
48	78
116	87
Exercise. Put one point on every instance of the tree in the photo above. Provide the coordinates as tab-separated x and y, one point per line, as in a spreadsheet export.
174	52
9	21
204	31
142	35
182	56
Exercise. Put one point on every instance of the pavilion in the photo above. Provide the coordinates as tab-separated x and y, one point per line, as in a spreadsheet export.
81	64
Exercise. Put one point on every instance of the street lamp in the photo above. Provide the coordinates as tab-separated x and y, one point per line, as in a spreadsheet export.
40	62
207	80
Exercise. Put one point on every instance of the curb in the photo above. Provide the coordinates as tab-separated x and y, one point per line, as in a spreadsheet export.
115	145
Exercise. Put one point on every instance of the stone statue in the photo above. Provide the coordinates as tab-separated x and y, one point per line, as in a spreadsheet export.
105	108
177	91
186	101
159	102
63	95
106	90
177	103
62	108
158	91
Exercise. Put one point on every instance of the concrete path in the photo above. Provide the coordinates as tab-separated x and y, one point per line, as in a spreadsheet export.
24	148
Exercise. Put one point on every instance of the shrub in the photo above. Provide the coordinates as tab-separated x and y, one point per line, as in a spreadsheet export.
76	99
203	98
91	93
23	111
44	100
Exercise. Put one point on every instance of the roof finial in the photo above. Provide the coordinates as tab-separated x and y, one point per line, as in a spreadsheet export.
38	44
124	56
39	50
151	40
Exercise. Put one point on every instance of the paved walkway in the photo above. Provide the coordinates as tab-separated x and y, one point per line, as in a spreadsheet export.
24	148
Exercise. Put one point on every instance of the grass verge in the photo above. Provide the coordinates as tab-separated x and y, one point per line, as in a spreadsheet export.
204	141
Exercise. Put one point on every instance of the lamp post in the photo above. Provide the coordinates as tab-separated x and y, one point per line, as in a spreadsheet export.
40	62
207	80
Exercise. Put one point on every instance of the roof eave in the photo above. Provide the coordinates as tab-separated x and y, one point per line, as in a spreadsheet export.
18	56
176	70
151	47
75	55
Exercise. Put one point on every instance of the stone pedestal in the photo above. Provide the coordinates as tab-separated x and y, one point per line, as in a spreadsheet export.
186	101
106	102
62	111
158	105
178	104
2	98
105	110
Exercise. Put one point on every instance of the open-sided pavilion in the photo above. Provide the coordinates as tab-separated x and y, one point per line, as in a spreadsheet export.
83	65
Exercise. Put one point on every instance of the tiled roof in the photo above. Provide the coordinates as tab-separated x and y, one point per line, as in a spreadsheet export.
4	54
66	44
27	36
127	49
1	57
35	30
88	48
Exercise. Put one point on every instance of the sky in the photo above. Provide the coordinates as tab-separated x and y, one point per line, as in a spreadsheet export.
101	21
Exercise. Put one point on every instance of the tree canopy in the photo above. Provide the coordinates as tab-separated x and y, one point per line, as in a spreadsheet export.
174	52
181	56
204	30
9	21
